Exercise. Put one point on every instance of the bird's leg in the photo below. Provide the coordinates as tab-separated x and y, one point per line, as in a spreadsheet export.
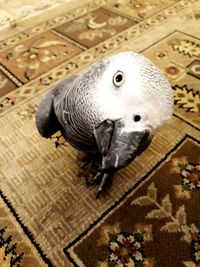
98	178
102	184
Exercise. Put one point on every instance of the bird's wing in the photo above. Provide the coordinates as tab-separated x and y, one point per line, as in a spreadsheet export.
46	118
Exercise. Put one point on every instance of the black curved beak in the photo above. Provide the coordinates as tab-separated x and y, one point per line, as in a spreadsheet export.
118	148
122	147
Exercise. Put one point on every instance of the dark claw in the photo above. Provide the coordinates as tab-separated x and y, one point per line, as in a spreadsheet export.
99	192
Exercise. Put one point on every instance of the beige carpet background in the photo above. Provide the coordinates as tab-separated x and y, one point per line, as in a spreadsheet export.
45	207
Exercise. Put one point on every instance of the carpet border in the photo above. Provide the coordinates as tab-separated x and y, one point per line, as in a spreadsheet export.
123	197
25	230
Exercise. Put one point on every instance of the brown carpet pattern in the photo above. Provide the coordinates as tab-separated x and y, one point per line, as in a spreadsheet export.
150	216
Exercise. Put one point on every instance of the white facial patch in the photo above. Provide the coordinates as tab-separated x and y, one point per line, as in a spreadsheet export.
144	92
114	100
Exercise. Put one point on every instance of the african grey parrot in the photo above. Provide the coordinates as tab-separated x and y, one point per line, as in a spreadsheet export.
113	108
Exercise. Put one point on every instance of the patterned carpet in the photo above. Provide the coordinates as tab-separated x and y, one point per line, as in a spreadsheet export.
150	216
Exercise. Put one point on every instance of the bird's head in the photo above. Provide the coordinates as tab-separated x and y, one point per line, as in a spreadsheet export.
133	90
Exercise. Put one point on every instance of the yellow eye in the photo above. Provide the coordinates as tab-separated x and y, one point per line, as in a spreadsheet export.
118	78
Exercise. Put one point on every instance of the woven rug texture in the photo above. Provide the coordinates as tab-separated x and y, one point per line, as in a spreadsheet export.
150	217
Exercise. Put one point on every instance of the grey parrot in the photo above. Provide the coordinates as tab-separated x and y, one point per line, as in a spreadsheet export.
112	109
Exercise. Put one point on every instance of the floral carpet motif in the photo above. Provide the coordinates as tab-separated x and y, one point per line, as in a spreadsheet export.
32	58
160	211
96	27
48	213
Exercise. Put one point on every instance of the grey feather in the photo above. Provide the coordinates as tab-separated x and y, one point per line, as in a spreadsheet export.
95	111
46	119
68	107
